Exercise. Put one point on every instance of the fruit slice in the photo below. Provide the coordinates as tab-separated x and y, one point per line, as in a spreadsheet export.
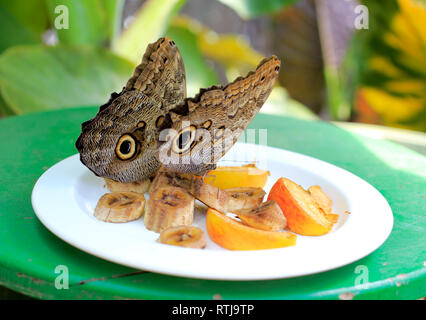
211	196
304	215
237	177
332	217
321	198
208	194
234	235
324	202
244	198
267	216
138	186
120	207
169	207
165	178
183	236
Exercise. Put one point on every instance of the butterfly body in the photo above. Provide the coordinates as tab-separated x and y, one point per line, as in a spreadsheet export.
152	122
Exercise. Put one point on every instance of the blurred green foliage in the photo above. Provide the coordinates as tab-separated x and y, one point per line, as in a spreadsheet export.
19	24
46	78
94	57
149	24
198	72
381	79
91	22
253	8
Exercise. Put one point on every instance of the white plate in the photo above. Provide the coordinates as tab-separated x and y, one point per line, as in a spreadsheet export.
65	196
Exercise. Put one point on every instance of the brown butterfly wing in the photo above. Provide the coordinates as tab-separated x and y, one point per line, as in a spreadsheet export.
120	141
161	74
204	128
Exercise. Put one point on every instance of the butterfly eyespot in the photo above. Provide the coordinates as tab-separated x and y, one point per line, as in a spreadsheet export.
172	43
141	124
183	140
126	147
277	68
162	40
165	60
262	79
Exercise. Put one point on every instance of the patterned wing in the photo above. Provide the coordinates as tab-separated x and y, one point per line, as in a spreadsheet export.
120	141
161	74
199	132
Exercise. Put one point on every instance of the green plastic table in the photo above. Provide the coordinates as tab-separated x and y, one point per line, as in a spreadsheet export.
29	253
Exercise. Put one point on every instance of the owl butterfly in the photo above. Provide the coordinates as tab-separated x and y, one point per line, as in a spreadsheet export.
151	122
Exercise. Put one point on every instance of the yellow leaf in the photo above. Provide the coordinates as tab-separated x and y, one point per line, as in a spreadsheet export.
409	34
231	51
383	65
410	87
391	108
415	13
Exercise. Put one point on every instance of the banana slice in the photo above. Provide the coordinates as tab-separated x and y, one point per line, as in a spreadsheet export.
267	216
210	195
172	179
120	207
138	186
183	236
168	207
244	198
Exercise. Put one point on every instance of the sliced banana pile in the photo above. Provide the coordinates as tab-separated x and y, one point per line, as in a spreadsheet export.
120	207
183	236
170	207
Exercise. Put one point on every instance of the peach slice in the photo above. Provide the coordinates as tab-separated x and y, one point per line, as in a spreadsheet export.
324	202
248	176
321	198
304	215
234	235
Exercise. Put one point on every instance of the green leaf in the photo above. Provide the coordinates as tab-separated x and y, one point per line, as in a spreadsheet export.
21	22
89	22
150	23
114	11
248	9
4	108
339	106
198	73
37	78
